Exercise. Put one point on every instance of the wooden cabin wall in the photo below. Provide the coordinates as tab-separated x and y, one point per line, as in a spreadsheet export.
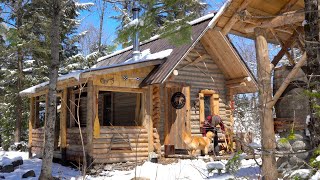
37	141
74	147
198	77
120	144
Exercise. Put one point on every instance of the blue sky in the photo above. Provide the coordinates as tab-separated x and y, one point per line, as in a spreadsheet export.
109	30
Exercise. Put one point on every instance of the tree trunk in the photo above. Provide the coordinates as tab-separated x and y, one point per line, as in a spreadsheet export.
102	9
269	169
311	29
46	169
17	131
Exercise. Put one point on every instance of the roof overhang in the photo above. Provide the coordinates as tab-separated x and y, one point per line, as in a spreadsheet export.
82	76
238	76
279	18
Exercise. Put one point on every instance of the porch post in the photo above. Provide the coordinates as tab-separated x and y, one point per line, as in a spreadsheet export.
91	109
147	119
31	124
63	124
268	142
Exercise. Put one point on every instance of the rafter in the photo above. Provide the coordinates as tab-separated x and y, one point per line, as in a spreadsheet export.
235	17
287	80
278	21
199	59
291	60
284	48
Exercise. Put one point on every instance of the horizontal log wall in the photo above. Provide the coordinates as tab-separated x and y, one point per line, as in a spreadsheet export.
120	144
202	75
74	146
37	141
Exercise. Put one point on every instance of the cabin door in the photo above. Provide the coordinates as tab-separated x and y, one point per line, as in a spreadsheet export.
177	114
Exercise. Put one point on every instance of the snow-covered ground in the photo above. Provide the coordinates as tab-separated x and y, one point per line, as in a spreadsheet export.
183	169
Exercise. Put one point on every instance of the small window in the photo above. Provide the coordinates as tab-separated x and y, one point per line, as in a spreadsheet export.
209	104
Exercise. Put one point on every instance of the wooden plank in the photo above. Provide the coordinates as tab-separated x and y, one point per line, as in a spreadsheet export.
201	109
96	124
188	108
63	119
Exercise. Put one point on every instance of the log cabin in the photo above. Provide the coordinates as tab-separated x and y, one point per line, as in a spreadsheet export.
125	108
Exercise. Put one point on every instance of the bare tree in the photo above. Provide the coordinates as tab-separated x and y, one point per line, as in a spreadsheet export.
55	12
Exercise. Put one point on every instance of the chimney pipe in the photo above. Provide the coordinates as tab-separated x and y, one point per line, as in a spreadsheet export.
136	49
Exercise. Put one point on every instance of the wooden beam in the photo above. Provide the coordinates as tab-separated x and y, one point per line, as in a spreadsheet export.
287	81
121	89
235	17
291	60
96	123
199	59
284	48
187	92
281	20
236	85
238	80
188	58
31	124
63	124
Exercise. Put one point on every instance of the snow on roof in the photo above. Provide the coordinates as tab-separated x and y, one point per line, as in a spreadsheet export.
200	19
214	20
146	55
76	75
32	89
193	22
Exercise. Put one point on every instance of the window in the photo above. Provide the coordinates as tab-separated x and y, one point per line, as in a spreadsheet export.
209	104
119	108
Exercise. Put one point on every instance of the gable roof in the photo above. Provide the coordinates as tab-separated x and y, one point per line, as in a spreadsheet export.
200	29
160	44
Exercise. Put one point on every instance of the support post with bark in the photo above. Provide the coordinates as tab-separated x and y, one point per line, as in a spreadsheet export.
46	168
269	169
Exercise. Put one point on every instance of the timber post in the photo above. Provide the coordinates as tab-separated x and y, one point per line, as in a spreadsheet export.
91	101
31	124
268	142
63	124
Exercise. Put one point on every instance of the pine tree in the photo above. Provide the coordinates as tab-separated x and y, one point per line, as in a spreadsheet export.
167	18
